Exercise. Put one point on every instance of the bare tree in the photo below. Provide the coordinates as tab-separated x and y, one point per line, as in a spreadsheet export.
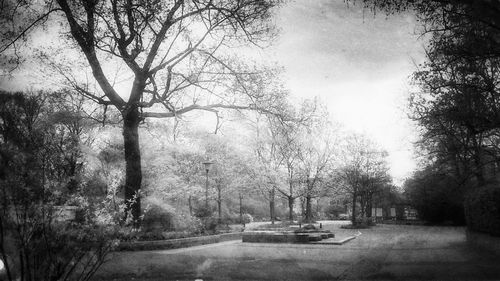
268	162
316	155
278	148
363	172
171	49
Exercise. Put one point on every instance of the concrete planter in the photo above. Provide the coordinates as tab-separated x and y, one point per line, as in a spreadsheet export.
284	237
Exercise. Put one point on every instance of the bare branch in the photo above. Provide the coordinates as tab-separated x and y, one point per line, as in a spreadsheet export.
27	29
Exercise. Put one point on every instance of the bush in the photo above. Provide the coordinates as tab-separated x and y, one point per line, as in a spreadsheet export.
82	245
247	218
333	211
157	219
160	217
436	197
482	210
40	174
203	212
210	225
187	223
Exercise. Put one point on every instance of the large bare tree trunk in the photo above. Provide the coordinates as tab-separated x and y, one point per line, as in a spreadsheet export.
369	208
133	170
353	217
241	207
190	205
362	205
290	207
219	203
271	211
308	208
271	206
478	163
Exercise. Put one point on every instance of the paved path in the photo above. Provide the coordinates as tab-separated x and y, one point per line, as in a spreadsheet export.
386	252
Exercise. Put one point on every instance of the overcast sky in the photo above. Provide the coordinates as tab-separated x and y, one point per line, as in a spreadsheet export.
358	63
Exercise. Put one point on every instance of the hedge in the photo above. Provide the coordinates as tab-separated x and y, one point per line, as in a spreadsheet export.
482	210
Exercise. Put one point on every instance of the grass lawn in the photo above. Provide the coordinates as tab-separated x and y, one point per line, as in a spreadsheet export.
385	252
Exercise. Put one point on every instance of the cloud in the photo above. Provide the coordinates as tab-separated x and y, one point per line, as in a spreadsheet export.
326	38
358	63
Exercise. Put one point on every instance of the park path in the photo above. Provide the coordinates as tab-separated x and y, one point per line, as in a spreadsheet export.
385	252
419	253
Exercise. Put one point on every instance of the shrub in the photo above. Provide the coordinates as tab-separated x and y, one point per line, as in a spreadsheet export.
482	210
160	217
436	197
247	218
42	170
244	219
157	218
47	249
203	212
333	211
187	223
209	225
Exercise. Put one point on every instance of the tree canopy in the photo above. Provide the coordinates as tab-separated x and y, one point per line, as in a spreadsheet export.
175	52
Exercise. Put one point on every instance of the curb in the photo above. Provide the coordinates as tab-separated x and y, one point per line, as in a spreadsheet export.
176	243
339	242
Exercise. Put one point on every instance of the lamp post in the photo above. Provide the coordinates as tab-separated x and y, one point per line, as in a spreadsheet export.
207	168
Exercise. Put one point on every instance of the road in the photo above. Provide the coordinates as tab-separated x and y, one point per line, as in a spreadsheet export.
385	252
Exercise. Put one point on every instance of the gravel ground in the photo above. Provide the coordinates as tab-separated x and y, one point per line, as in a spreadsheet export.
385	252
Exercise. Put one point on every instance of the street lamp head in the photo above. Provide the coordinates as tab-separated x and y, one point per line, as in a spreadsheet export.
207	164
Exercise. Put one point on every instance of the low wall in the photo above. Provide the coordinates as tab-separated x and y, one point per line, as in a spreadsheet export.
483	241
176	243
285	237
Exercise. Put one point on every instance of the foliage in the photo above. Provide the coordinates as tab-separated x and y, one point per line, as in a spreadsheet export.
41	243
246	218
457	102
157	218
160	217
317	154
288	163
175	51
230	171
177	175
457	105
442	16
482	209
436	197
364	173
333	210
235	219
203	212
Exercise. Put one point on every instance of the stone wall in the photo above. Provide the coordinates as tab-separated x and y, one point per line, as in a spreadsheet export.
176	243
